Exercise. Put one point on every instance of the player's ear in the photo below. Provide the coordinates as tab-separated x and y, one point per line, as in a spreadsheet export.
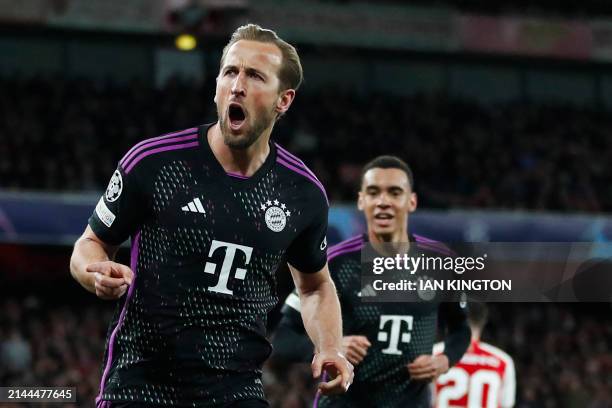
216	82
360	201
413	202
284	100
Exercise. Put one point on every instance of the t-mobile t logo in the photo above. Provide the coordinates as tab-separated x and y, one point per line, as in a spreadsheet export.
230	253
394	332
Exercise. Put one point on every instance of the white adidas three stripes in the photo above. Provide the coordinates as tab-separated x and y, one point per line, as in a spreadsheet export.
194	206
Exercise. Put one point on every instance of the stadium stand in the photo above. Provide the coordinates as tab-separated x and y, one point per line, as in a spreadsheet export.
562	352
56	135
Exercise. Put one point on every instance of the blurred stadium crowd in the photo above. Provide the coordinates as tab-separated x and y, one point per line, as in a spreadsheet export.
518	7
41	343
67	135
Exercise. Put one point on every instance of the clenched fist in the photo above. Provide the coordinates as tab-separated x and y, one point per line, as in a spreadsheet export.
112	279
355	348
427	367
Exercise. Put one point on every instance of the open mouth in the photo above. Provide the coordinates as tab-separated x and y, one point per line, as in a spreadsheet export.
383	220
237	116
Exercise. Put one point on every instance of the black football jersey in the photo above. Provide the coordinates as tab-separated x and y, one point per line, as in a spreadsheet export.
398	332
205	245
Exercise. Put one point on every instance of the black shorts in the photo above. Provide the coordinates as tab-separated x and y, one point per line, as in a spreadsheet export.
252	403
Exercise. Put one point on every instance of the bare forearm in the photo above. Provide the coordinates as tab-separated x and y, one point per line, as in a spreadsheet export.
320	309
86	251
322	318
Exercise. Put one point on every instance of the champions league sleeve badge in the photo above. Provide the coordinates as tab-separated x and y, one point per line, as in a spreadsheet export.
115	187
276	215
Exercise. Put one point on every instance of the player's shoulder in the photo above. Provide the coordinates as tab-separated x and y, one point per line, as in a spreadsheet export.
158	147
348	249
496	352
295	167
431	245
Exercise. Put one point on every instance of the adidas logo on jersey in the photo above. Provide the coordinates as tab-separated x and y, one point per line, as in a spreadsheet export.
195	206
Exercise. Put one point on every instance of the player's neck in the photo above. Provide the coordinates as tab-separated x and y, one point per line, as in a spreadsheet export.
242	161
397	237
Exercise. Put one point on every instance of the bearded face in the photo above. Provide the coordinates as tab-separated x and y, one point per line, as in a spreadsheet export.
247	92
241	128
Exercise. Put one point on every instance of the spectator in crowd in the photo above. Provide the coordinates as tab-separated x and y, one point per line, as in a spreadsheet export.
505	156
562	352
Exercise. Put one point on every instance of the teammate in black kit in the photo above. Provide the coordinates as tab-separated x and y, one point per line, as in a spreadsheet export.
389	343
211	211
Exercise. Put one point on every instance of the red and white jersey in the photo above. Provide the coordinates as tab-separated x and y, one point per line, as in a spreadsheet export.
483	378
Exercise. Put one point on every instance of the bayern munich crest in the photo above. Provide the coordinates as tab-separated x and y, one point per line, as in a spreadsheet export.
276	215
115	186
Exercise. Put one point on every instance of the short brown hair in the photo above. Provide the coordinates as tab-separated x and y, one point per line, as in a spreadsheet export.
290	73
